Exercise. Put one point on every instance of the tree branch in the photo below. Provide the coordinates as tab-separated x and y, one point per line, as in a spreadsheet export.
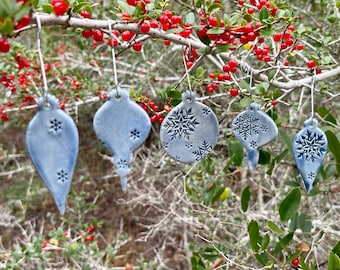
66	21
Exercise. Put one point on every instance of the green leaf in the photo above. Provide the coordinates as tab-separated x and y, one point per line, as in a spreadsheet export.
286	139
333	261
47	8
245	102
336	249
200	71
190	18
261	258
245	85
254	235
271	75
325	114
274	228
235	151
6	27
245	198
265	241
21	12
284	241
264	157
215	31
82	5
126	7
290	205
264	14
334	146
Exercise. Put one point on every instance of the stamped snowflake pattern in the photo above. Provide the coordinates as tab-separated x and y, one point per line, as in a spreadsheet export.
135	134
122	163
188	144
181	124
246	125
253	144
206	110
203	150
165	144
264	128
55	126
62	176
311	175
311	146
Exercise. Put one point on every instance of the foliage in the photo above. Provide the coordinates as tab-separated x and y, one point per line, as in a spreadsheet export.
213	214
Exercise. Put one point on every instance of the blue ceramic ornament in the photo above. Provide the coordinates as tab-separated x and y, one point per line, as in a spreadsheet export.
309	149
254	128
122	126
52	143
189	132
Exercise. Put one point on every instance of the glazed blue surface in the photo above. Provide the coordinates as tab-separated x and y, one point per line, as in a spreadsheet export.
52	142
122	126
190	131
309	149
254	128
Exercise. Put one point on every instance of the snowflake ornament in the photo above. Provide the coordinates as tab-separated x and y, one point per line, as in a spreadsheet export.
254	128
189	132
309	149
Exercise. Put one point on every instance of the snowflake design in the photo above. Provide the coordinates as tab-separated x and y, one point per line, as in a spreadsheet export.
206	110
311	175
188	144
165	144
135	134
62	176
55	126
178	158
311	146
264	128
122	163
253	144
203	150
246	125
181	124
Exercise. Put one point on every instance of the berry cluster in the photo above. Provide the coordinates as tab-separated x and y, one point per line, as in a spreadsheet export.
156	115
224	75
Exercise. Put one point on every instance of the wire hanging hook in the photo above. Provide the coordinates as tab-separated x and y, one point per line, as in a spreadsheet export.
186	68
113	58
312	89
41	60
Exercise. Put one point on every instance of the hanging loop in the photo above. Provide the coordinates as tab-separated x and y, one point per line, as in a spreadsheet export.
312	89
245	67
41	60
185	51
115	76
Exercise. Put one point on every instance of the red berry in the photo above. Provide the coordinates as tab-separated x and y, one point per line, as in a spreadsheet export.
126	35
153	119
226	68
137	46
98	35
233	92
291	28
266	58
277	37
274	102
163	19
241	2
85	14
87	33
250	11
289	41
176	19
131	2
60	8
299	46
311	64
166	42
4	45
145	27
24	21
212	21
296	262
232	63
286	63
154	24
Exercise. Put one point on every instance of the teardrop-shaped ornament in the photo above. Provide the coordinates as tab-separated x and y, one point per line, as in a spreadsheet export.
190	131
254	128
122	126
309	149
52	142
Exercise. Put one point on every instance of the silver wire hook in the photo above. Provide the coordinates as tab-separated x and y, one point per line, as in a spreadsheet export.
113	58
186	68
312	89
41	60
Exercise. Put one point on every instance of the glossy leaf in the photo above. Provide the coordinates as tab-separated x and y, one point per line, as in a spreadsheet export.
264	14
284	241
254	235
274	228
245	198
290	205
235	151
333	261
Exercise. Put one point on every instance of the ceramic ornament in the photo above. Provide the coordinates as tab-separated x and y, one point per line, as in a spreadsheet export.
52	142
189	132
309	149
254	128
122	126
